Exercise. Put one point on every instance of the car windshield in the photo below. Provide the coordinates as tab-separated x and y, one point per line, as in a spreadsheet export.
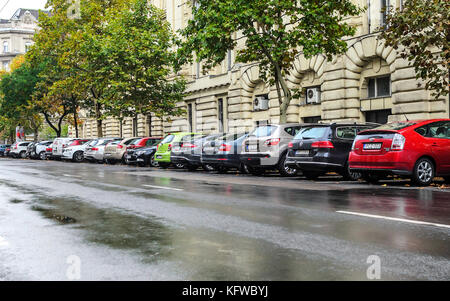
312	132
263	131
395	126
168	139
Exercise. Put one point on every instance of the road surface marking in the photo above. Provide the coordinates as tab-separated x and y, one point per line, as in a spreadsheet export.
162	187
3	242
395	219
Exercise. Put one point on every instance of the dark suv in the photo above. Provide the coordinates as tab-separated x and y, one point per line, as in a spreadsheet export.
321	148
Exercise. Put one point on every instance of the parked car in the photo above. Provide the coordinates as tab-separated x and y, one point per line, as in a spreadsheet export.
419	150
188	151
75	151
3	148
58	146
94	152
115	150
30	151
39	150
318	149
164	148
224	153
142	142
266	148
19	150
49	151
143	156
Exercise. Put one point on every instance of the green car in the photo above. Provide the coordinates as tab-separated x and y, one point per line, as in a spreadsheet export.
162	155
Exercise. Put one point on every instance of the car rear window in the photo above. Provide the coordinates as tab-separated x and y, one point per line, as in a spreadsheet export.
395	126
151	142
132	141
233	137
263	131
314	132
168	139
293	130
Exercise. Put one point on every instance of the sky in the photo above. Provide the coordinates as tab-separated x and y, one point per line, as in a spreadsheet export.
13	5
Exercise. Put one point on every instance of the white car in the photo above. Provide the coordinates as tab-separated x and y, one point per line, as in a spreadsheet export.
76	152
95	152
41	147
58	145
19	150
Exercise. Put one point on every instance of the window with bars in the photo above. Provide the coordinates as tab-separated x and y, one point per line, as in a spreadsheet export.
379	87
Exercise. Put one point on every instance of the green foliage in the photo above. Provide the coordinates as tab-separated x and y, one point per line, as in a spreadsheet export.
420	33
273	32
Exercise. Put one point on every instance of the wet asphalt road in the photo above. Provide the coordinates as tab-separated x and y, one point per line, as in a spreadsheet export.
127	223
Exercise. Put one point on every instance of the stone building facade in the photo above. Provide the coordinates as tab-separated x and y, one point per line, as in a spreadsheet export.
369	83
16	35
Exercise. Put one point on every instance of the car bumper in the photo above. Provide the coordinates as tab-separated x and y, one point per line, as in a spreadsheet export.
162	157
392	163
222	160
113	156
313	164
259	160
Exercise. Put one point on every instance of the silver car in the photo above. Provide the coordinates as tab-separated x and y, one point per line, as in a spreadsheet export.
96	149
266	148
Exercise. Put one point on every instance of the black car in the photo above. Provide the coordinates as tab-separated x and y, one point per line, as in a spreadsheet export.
143	156
322	148
187	153
224	153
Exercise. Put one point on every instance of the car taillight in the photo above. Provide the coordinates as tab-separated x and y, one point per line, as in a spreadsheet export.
398	142
191	145
225	148
169	148
322	144
291	145
120	146
272	142
157	147
48	149
94	148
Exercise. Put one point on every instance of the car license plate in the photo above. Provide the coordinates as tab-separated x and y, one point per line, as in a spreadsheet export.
140	160
159	157
209	149
372	146
128	156
302	153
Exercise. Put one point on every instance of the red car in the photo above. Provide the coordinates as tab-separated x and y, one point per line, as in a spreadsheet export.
148	141
416	149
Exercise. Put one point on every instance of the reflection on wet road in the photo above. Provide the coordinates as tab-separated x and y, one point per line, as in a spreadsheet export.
146	224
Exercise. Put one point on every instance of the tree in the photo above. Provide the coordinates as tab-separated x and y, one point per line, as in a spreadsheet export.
17	88
274	33
134	58
420	32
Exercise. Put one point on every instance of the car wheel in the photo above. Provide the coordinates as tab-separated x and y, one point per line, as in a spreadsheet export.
180	165
423	173
256	171
153	163
312	175
208	167
42	155
285	170
349	175
22	154
78	157
243	168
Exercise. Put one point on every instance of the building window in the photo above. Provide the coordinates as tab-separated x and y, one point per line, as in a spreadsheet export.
221	115
379	116
312	119
379	87
385	6
5	47
6	65
135	126
191	117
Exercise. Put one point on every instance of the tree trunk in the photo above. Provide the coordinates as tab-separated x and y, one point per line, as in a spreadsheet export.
287	95
99	120
75	122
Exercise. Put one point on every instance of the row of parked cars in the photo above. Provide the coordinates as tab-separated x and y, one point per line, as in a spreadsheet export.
419	150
